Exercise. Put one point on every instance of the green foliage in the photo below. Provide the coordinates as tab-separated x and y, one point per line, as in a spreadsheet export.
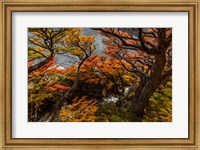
32	54
160	105
110	112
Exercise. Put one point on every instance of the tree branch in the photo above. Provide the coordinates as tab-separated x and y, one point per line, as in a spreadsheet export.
37	52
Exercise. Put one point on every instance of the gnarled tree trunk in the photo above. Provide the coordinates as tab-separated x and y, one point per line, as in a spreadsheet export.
60	102
149	85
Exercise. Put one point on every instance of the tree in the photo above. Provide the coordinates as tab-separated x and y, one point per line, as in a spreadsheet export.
108	71
43	89
42	44
82	47
152	64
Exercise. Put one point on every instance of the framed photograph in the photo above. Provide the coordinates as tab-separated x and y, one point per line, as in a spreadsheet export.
106	75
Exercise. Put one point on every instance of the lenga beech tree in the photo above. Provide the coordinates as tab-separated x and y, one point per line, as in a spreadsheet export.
43	45
82	47
44	42
152	62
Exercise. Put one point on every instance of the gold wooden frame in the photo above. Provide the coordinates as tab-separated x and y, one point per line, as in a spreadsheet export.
9	6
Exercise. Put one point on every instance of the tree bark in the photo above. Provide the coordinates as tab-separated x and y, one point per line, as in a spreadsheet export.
57	107
148	86
60	102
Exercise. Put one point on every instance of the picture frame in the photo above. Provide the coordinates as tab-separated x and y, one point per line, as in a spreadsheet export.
8	7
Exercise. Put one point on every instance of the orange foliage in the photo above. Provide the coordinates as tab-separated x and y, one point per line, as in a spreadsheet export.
150	30
124	34
97	69
47	69
129	55
81	110
79	45
151	40
50	71
30	63
41	48
59	87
